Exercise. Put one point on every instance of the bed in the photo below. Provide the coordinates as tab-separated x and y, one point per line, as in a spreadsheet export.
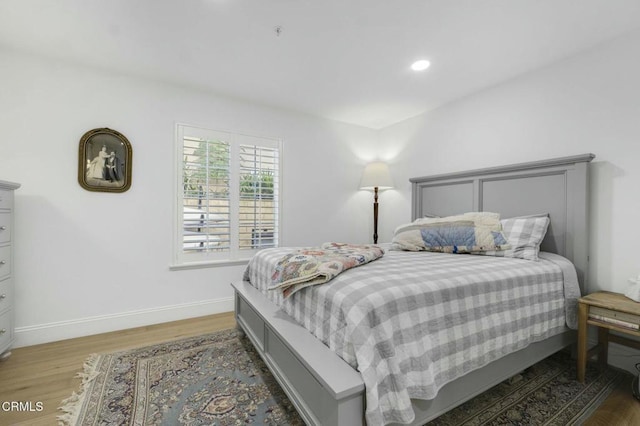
327	390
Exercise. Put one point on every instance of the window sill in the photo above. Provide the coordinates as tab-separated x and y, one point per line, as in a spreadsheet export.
207	264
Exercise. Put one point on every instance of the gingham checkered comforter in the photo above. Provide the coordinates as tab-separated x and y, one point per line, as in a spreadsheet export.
411	322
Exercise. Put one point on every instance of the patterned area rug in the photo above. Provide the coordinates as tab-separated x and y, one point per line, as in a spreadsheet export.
547	393
215	379
219	379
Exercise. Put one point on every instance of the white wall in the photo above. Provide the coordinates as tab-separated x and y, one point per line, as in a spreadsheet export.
588	103
89	262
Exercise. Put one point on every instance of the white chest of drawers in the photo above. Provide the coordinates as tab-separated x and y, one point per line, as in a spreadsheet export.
6	266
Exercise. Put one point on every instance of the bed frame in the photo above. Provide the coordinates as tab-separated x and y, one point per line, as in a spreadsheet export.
327	391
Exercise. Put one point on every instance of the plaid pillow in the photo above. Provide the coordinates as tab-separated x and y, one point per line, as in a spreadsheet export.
524	234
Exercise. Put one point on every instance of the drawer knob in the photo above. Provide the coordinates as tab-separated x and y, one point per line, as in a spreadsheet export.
4	330
3	262
3	228
3	296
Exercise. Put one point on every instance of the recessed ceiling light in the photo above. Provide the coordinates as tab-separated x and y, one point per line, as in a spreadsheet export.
420	65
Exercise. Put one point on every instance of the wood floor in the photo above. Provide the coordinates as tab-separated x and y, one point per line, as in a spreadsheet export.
47	373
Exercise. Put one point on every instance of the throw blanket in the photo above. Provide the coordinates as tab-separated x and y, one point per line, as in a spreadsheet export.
474	232
319	265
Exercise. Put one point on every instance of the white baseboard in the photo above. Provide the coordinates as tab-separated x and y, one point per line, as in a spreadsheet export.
51	332
620	356
624	357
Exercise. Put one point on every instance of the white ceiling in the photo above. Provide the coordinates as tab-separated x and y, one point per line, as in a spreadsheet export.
346	60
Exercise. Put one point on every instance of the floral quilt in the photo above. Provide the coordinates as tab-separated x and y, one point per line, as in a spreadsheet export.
318	265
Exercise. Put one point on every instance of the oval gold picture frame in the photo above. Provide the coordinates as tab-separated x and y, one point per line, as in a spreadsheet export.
104	161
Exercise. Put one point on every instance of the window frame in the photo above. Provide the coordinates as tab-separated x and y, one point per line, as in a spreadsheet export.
234	256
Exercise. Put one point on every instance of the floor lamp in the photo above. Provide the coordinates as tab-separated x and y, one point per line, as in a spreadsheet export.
376	177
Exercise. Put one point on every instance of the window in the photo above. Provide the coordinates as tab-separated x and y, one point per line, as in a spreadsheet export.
228	195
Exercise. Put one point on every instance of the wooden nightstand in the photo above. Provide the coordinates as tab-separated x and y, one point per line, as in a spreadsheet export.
615	307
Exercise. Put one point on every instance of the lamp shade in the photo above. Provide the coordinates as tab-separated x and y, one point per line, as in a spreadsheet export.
376	175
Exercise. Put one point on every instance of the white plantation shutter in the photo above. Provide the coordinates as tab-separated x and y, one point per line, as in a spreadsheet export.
228	195
205	196
258	195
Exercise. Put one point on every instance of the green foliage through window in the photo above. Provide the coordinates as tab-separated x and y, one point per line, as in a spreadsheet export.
258	184
206	169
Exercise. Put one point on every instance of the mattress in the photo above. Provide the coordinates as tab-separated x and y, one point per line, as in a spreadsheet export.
411	322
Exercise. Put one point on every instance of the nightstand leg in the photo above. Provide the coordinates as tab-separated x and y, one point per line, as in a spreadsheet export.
582	340
603	346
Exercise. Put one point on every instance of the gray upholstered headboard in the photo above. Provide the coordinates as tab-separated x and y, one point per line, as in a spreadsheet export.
557	186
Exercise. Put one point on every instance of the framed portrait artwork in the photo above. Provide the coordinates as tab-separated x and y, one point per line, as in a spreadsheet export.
104	161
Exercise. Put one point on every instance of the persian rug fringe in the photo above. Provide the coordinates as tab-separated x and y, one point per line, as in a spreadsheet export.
72	406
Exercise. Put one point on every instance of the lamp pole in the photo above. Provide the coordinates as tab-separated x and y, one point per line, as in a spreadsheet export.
376	176
375	215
